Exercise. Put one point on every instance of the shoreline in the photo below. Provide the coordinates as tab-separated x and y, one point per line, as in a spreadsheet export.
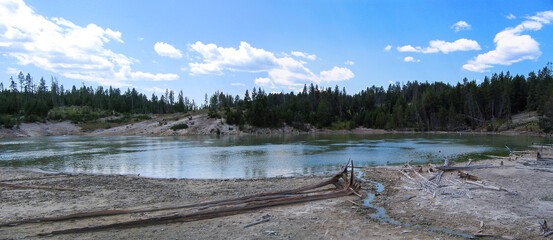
67	129
458	206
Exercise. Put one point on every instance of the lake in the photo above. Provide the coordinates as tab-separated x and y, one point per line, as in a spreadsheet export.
246	156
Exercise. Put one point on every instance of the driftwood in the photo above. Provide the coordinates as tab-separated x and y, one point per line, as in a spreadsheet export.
545	229
344	186
407	199
467	176
536	168
448	168
258	222
490	187
38	187
439	175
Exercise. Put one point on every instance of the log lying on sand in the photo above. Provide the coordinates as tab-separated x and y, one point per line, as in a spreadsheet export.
467	176
448	168
218	208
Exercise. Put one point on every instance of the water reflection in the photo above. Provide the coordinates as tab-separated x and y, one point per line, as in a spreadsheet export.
245	156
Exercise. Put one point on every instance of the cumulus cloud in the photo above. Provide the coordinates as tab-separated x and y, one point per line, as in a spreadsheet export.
238	84
511	45
460	26
410	59
311	57
337	74
264	82
12	71
349	62
60	46
154	89
443	46
388	48
167	50
282	71
511	17
408	48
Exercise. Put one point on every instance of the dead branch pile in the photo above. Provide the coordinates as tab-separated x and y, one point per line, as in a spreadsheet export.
343	184
540	163
414	175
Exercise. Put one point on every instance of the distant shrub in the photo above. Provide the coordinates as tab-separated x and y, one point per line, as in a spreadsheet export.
179	126
7	121
75	114
142	117
213	113
546	198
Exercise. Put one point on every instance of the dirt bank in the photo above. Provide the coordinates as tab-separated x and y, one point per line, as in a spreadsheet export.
199	123
459	207
40	129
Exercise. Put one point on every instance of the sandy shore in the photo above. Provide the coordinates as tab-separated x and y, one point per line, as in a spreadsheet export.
457	206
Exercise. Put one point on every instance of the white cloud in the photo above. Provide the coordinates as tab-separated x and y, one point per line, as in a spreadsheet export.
154	90
407	48
12	71
511	45
461	25
167	50
60	46
282	71
140	38
511	17
443	46
336	74
238	84
246	59
311	57
349	62
388	48
264	82
410	59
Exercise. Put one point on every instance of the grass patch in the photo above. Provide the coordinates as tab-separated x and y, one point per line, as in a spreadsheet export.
345	125
179	126
129	119
481	156
546	198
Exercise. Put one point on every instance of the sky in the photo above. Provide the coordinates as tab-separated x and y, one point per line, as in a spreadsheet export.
203	46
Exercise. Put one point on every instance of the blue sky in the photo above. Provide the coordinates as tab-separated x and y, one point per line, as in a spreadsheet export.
203	46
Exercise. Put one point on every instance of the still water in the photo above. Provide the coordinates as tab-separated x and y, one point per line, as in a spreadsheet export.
246	156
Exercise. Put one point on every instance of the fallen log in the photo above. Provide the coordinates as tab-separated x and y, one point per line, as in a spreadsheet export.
491	187
258	222
536	168
407	199
467	176
444	168
201	215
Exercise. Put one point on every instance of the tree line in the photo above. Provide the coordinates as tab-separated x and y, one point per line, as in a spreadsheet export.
28	101
419	106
